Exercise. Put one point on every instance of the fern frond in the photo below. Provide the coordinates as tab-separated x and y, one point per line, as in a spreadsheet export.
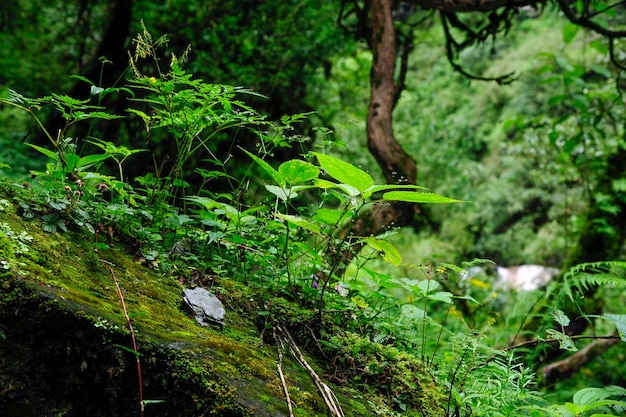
595	274
615	267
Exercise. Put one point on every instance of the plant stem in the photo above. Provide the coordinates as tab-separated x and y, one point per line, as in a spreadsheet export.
120	294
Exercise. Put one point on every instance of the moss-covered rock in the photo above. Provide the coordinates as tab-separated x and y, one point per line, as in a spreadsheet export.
65	347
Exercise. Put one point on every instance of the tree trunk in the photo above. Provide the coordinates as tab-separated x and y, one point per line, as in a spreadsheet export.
397	165
113	46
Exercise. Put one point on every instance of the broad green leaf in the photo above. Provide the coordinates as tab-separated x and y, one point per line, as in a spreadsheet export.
268	168
556	99
284	193
600	45
212	205
411	312
297	171
580	101
565	342
575	409
569	32
348	189
324	184
377	188
560	317
300	222
47	152
443	296
417	197
71	159
79	77
603	403
468	297
592	397
329	216
428	286
601	70
344	172
91	160
386	249
409	284
620	323
298	188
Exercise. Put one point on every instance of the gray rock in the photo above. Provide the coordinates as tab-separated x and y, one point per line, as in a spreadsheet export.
206	308
180	248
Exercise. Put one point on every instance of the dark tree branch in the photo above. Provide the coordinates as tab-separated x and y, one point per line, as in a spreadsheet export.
585	21
608	340
607	8
566	367
407	47
471	5
613	57
453	48
350	8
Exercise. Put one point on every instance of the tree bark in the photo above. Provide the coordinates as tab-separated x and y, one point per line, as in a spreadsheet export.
113	46
397	165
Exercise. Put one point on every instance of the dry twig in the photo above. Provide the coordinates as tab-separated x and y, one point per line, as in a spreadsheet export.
279	365
327	394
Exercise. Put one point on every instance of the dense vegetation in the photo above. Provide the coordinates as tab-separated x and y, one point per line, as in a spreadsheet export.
241	160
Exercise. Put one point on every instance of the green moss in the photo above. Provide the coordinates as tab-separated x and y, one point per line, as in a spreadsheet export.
393	373
7	257
224	372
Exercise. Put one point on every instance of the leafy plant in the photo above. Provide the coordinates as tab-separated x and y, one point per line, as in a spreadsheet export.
419	332
607	401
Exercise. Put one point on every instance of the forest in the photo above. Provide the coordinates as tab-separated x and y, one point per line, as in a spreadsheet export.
401	208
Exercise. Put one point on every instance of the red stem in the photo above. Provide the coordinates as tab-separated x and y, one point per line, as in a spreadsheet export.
130	325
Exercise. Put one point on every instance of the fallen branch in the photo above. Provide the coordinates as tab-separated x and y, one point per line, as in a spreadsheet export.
279	365
566	367
327	394
555	343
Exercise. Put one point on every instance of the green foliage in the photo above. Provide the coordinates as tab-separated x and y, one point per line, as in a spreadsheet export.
588	402
420	333
192	112
273	251
586	275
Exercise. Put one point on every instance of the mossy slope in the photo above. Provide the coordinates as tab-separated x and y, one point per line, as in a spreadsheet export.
65	346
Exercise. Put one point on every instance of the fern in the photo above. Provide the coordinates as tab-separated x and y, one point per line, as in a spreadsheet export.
594	274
